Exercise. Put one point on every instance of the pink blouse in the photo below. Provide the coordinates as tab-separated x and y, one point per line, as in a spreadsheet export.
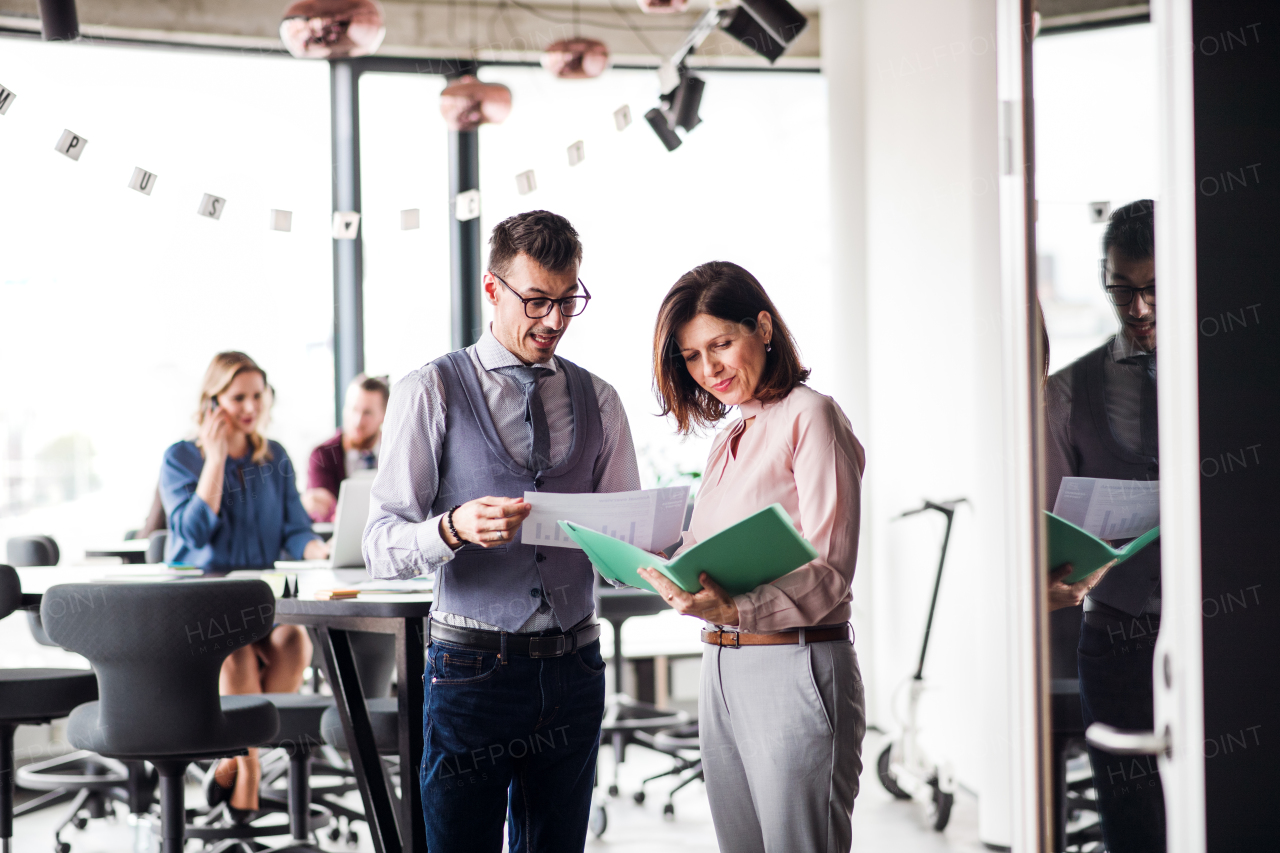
800	452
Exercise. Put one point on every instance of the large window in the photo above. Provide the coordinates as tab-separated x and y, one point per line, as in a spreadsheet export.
1095	141
404	157
749	185
113	301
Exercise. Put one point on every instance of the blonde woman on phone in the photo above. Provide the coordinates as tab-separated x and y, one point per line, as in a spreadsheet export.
231	497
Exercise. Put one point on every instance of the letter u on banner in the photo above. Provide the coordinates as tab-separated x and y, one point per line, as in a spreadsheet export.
142	180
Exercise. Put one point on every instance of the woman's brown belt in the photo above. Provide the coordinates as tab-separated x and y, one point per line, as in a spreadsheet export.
736	639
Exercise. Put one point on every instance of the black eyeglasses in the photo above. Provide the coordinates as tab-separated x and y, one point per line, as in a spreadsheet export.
1122	294
539	306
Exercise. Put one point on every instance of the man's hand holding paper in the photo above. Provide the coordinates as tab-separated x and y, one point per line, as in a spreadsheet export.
650	519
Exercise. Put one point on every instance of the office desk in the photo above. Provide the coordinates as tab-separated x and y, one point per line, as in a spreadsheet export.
131	551
396	826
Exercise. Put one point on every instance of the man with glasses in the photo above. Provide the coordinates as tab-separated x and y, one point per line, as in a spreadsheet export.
514	678
1102	423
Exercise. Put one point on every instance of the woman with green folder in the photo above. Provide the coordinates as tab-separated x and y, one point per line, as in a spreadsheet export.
781	715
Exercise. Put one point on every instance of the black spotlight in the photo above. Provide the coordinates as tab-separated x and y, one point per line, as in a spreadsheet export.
686	99
658	121
766	26
58	20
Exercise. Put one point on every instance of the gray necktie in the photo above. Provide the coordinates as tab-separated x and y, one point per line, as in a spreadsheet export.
1149	419
534	415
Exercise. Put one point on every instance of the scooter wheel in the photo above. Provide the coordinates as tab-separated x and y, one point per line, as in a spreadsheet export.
940	808
638	796
887	778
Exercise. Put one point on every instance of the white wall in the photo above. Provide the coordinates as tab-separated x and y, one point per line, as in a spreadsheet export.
930	286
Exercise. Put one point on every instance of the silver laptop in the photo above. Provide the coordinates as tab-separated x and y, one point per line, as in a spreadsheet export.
348	528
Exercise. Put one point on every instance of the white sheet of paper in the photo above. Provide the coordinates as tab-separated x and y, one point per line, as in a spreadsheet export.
649	518
1109	509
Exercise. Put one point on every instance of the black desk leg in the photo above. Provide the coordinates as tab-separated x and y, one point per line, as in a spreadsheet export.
617	654
411	693
375	789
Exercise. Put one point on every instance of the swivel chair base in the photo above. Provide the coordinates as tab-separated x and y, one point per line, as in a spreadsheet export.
91	783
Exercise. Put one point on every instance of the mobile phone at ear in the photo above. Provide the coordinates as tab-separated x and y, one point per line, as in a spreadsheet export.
213	404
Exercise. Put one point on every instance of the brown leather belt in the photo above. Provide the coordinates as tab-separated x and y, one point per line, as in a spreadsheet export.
737	639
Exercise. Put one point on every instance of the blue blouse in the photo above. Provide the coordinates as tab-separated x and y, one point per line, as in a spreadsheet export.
261	511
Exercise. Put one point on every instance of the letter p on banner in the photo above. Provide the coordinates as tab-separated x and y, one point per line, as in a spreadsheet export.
71	144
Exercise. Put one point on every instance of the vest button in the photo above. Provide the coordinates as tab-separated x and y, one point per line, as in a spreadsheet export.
538	482
540	557
535	592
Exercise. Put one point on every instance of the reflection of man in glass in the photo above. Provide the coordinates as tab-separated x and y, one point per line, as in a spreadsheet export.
1102	423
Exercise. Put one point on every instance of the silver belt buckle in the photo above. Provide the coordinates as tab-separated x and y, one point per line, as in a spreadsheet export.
535	644
737	644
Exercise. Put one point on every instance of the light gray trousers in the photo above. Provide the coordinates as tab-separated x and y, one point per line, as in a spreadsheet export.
781	734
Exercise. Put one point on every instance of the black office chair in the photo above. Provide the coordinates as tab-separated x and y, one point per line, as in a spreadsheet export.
31	697
286	785
682	744
155	546
298	736
157	649
35	550
25	552
375	661
384	717
90	782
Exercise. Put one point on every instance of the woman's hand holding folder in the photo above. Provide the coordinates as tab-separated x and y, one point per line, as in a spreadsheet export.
711	603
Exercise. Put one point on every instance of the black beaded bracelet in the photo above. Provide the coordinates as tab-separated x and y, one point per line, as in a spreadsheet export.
448	519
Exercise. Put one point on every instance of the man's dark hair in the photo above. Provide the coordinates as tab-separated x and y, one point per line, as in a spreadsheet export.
546	237
374	385
1131	231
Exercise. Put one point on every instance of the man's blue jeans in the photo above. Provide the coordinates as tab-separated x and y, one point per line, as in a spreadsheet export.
514	741
1116	658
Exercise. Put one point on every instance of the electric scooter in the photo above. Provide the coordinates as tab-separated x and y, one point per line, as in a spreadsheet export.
904	768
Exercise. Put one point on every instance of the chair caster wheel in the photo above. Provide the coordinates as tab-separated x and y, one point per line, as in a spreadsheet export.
598	821
613	790
335	834
61	847
80	822
353	837
668	812
638	796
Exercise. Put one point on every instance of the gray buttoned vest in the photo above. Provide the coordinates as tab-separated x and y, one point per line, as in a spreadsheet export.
503	586
1128	585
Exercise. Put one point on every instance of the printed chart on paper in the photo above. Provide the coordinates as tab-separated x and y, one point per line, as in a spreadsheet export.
1109	509
649	518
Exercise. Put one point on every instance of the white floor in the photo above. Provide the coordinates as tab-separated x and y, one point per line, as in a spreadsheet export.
880	823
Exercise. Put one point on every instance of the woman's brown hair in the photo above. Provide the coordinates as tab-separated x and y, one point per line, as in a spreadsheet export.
728	292
223	370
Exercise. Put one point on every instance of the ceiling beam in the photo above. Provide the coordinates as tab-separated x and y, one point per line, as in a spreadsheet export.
487	31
